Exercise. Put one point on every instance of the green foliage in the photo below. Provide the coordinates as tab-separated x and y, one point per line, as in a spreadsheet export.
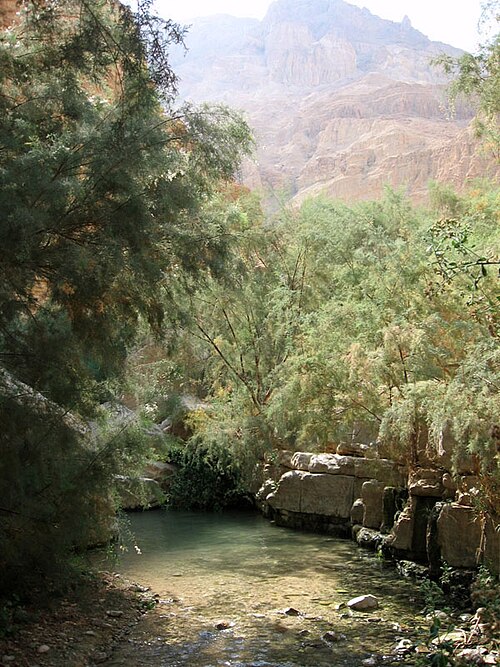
208	477
105	191
371	322
478	77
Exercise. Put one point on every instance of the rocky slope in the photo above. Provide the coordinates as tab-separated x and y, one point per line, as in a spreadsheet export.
341	101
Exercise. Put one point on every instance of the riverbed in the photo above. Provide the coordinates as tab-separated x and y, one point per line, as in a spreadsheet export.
237	591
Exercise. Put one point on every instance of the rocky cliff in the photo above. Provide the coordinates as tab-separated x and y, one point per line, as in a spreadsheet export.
340	100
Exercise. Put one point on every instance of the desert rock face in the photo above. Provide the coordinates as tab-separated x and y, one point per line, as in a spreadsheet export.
341	101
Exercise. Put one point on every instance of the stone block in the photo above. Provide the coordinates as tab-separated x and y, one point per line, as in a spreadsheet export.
459	535
372	494
314	493
332	464
288	492
329	495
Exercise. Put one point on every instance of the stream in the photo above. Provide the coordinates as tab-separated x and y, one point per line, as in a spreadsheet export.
238	591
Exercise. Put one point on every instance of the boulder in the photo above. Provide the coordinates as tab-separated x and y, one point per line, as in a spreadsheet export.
329	495
363	603
357	512
401	536
288	492
372	493
332	464
358	449
383	470
369	539
300	491
426	482
459	535
300	460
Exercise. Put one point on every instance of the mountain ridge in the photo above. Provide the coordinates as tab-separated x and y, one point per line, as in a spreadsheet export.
340	100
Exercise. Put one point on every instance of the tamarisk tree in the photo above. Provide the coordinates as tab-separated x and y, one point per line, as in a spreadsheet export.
103	185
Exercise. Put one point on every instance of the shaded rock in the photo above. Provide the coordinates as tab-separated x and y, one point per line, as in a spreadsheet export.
357	449
459	535
138	492
267	488
393	502
385	471
357	512
402	531
161	472
409	569
426	482
363	603
491	551
369	539
372	495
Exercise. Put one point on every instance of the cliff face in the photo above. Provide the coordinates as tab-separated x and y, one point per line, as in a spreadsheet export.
340	100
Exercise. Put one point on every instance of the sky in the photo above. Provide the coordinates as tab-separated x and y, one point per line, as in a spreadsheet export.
451	21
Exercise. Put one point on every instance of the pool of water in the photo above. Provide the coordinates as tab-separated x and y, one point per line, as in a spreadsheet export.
238	591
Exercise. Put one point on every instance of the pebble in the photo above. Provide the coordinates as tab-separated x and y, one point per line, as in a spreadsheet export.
43	648
369	662
8	658
114	613
90	633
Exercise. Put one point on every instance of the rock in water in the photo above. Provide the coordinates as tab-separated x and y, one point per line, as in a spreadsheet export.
363	603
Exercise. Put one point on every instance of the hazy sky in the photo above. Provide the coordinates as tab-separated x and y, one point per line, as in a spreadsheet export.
451	21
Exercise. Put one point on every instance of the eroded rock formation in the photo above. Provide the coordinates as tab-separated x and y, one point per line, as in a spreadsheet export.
341	101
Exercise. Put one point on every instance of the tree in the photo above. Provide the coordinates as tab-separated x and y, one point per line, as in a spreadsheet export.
478	77
103	191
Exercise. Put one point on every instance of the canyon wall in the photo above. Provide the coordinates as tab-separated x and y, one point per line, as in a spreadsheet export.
341	101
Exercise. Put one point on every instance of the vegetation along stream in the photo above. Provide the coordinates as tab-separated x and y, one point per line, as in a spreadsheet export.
238	591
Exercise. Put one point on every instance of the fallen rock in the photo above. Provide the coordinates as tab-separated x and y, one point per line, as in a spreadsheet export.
43	648
222	625
290	611
363	603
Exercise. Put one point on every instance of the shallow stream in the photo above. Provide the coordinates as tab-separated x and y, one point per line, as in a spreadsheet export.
238	591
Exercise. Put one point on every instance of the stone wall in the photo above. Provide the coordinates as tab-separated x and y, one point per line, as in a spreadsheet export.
424	514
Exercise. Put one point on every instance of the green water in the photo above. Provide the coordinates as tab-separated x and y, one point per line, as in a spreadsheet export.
225	581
